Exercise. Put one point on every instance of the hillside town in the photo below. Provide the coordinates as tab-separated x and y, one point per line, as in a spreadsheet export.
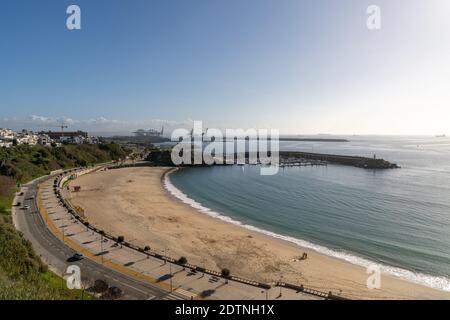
9	138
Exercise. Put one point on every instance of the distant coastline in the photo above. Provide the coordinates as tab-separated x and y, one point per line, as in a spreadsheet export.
314	139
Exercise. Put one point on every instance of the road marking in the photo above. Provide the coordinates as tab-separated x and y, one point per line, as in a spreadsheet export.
134	288
171	296
185	293
52	230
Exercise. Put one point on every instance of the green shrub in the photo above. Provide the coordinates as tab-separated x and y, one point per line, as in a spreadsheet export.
22	273
182	260
225	272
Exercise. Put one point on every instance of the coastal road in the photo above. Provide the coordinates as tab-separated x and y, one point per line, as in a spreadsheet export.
55	253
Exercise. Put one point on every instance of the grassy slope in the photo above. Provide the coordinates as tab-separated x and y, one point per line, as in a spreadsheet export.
22	274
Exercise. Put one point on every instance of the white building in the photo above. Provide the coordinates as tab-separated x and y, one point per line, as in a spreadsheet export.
6	134
27	137
6	144
75	139
66	139
6	137
44	140
9	137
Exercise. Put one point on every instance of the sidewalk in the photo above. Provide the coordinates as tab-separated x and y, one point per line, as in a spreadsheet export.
171	277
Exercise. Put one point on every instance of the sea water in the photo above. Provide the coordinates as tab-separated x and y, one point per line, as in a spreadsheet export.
396	218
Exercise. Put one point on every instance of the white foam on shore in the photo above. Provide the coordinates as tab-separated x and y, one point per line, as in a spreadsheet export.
435	282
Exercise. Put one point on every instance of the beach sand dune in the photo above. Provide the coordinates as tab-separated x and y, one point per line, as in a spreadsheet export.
133	202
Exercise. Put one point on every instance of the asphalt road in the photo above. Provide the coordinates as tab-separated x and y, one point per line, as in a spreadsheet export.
55	253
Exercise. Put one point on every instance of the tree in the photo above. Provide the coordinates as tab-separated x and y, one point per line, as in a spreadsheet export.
146	249
100	286
182	260
85	284
225	272
120	239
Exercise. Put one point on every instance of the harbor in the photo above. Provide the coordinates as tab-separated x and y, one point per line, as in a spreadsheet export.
286	159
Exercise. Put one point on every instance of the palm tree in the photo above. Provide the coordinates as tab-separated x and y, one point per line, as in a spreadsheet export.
182	260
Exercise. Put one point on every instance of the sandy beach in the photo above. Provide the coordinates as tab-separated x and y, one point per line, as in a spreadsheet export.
133	202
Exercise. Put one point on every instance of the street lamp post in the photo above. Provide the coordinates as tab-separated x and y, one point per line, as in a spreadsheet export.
170	264
281	280
170	269
101	247
63	229
204	267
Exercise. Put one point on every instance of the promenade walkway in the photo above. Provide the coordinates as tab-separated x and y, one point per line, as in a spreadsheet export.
170	277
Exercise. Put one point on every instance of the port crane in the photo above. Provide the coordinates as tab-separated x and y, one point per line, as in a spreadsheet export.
62	127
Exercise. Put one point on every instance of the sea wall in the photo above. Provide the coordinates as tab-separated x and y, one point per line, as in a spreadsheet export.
162	158
355	161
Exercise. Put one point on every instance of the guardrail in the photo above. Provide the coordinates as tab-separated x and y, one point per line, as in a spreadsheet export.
317	293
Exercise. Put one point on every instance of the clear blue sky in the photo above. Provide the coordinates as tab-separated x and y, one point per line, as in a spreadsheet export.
300	66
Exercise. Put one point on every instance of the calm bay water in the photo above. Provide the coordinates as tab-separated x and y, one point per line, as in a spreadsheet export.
399	219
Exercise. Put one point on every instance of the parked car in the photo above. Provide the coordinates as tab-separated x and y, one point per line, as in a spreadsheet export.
76	257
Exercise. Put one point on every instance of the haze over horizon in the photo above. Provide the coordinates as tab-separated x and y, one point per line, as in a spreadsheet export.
107	127
298	66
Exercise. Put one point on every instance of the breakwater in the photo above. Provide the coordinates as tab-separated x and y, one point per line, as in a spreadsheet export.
163	158
355	161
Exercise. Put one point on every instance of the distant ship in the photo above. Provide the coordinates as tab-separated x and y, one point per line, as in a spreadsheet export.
440	136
